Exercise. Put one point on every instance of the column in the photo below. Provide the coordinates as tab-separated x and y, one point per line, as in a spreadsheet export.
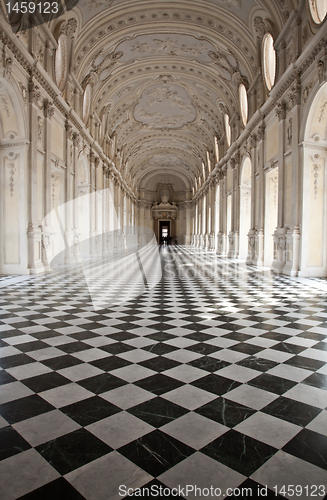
48	111
35	263
261	194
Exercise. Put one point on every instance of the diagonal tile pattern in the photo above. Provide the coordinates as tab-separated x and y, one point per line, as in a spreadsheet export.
216	377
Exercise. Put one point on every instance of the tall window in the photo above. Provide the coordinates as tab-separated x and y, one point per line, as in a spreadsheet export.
228	130
318	9
216	149
244	108
268	61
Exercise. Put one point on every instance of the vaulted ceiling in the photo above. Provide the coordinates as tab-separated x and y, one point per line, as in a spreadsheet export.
164	73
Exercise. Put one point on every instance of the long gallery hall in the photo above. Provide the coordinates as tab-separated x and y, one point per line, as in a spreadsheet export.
163	249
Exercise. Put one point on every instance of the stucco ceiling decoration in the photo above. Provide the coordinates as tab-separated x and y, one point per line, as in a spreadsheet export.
167	72
165	105
171	45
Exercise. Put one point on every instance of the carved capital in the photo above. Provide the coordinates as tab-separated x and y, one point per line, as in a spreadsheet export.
69	27
76	139
69	131
281	110
34	92
294	98
261	132
48	109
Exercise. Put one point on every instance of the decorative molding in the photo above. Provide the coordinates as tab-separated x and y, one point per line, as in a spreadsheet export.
12	172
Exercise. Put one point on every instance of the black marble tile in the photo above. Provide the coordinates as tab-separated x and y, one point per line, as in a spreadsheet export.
158	384
156	452
271	383
45	382
102	383
225	412
122	336
209	364
21	409
31	346
319	337
6	378
15	360
158	411
110	363
61	362
160	336
316	380
90	410
46	335
255	363
239	337
116	348
239	452
159	363
305	363
246	348
216	384
292	411
58	489
74	347
204	349
160	348
321	346
279	337
85	335
73	450
289	348
309	446
199	336
11	443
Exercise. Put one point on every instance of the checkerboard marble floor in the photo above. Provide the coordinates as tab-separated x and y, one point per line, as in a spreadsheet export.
216	377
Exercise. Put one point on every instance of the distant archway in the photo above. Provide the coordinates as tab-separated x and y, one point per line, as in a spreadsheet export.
314	214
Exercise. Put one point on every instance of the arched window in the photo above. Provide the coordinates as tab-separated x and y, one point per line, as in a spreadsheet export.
228	130
268	61
244	108
216	149
318	10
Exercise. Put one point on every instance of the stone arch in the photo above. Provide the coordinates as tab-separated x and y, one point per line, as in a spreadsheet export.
245	206
314	206
13	179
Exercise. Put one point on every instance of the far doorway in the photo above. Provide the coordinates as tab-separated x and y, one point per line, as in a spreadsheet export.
164	232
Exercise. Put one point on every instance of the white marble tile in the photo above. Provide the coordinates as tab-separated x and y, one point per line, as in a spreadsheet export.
127	396
181	342
23	473
46	353
251	396
28	371
92	480
9	350
229	355
19	339
308	394
189	397
12	391
194	430
185	373
284	469
183	355
290	372
65	395
268	429
315	354
274	355
91	355
238	373
201	471
43	428
140	342
132	373
137	355
80	372
120	429
319	424
59	340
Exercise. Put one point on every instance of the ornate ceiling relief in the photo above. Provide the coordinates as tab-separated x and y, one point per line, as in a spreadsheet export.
165	106
173	45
